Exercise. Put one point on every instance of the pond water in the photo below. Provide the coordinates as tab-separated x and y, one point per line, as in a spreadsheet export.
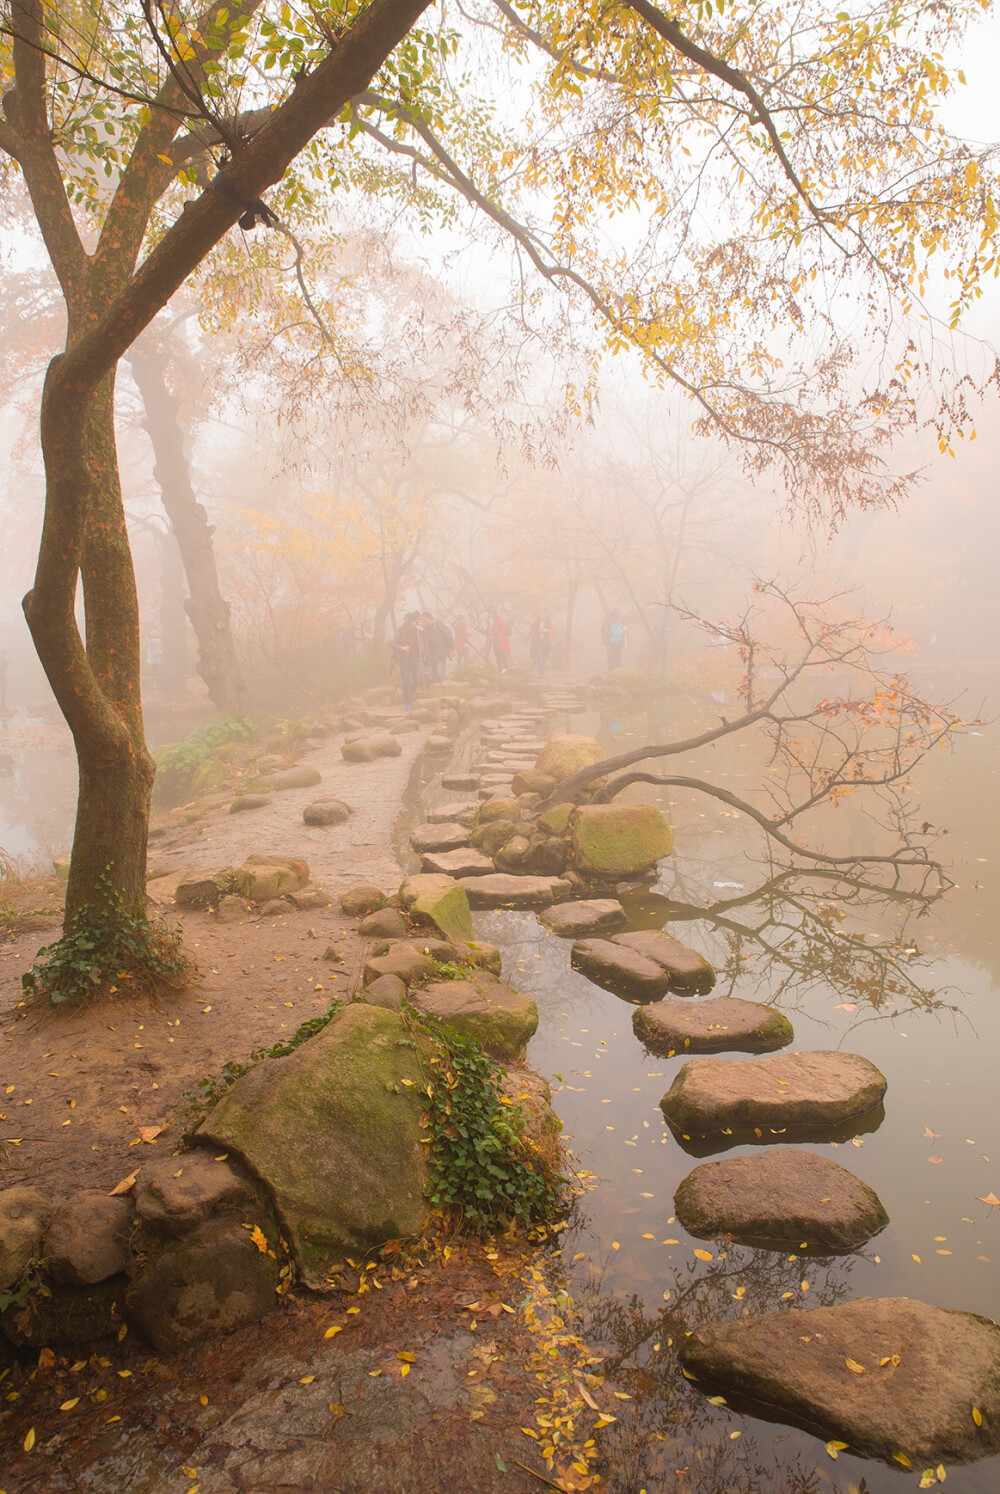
916	995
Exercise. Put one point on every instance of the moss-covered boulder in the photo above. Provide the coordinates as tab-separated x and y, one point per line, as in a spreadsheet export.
501	1019
493	836
334	1131
265	876
565	754
618	840
440	902
555	821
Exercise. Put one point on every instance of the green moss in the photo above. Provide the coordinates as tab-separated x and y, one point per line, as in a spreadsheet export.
619	839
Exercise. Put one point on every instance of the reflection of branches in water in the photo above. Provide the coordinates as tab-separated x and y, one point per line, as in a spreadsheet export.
791	931
670	1425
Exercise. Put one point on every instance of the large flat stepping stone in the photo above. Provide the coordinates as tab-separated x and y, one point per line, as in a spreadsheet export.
690	973
585	917
785	1198
500	1018
459	781
504	890
443	837
451	813
790	1091
725	1023
367	749
623	971
467	862
885	1375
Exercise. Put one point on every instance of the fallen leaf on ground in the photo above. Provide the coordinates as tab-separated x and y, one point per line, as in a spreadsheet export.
125	1184
150	1133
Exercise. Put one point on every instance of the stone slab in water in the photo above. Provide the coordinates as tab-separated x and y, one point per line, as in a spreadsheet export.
786	1198
800	1091
587	916
623	971
441	837
451	813
721	1024
920	1372
504	890
690	973
464	863
460	781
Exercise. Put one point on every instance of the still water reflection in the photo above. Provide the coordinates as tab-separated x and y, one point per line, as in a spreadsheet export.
909	986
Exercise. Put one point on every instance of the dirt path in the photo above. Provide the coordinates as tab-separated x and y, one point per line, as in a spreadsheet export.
277	1407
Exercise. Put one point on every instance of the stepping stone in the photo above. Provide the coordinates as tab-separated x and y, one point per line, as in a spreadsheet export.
885	1375
623	971
460	782
446	837
500	1018
722	1024
406	960
801	1091
690	973
584	917
504	890
367	749
786	1198
451	813
291	778
384	923
249	801
464	863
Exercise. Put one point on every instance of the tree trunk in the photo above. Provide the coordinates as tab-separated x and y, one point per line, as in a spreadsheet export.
97	688
218	663
174	668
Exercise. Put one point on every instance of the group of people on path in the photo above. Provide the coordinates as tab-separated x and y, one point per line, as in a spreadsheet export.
423	645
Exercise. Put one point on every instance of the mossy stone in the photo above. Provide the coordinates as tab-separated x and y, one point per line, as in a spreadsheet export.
617	840
438	900
501	1019
565	754
555	821
333	1129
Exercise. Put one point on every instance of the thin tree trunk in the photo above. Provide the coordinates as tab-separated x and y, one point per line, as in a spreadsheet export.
218	663
174	667
98	689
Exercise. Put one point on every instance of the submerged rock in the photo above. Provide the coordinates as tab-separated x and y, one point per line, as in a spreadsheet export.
884	1375
501	1019
690	973
722	1024
616	840
334	1132
800	1091
587	916
786	1197
621	970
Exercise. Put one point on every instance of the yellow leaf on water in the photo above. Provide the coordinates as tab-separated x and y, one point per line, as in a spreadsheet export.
977	1416
855	1367
902	1460
29	1440
259	1238
833	1448
927	1479
991	1199
704	1255
337	1328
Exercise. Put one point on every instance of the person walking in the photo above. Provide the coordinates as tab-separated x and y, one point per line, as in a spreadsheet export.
438	646
615	637
501	644
460	633
406	651
540	636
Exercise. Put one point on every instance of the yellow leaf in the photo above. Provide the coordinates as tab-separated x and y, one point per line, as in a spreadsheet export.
29	1440
833	1448
927	1479
331	1332
406	1356
307	1379
855	1367
704	1255
68	1405
259	1238
977	1416
902	1460
189	1472
150	1133
991	1199
125	1184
